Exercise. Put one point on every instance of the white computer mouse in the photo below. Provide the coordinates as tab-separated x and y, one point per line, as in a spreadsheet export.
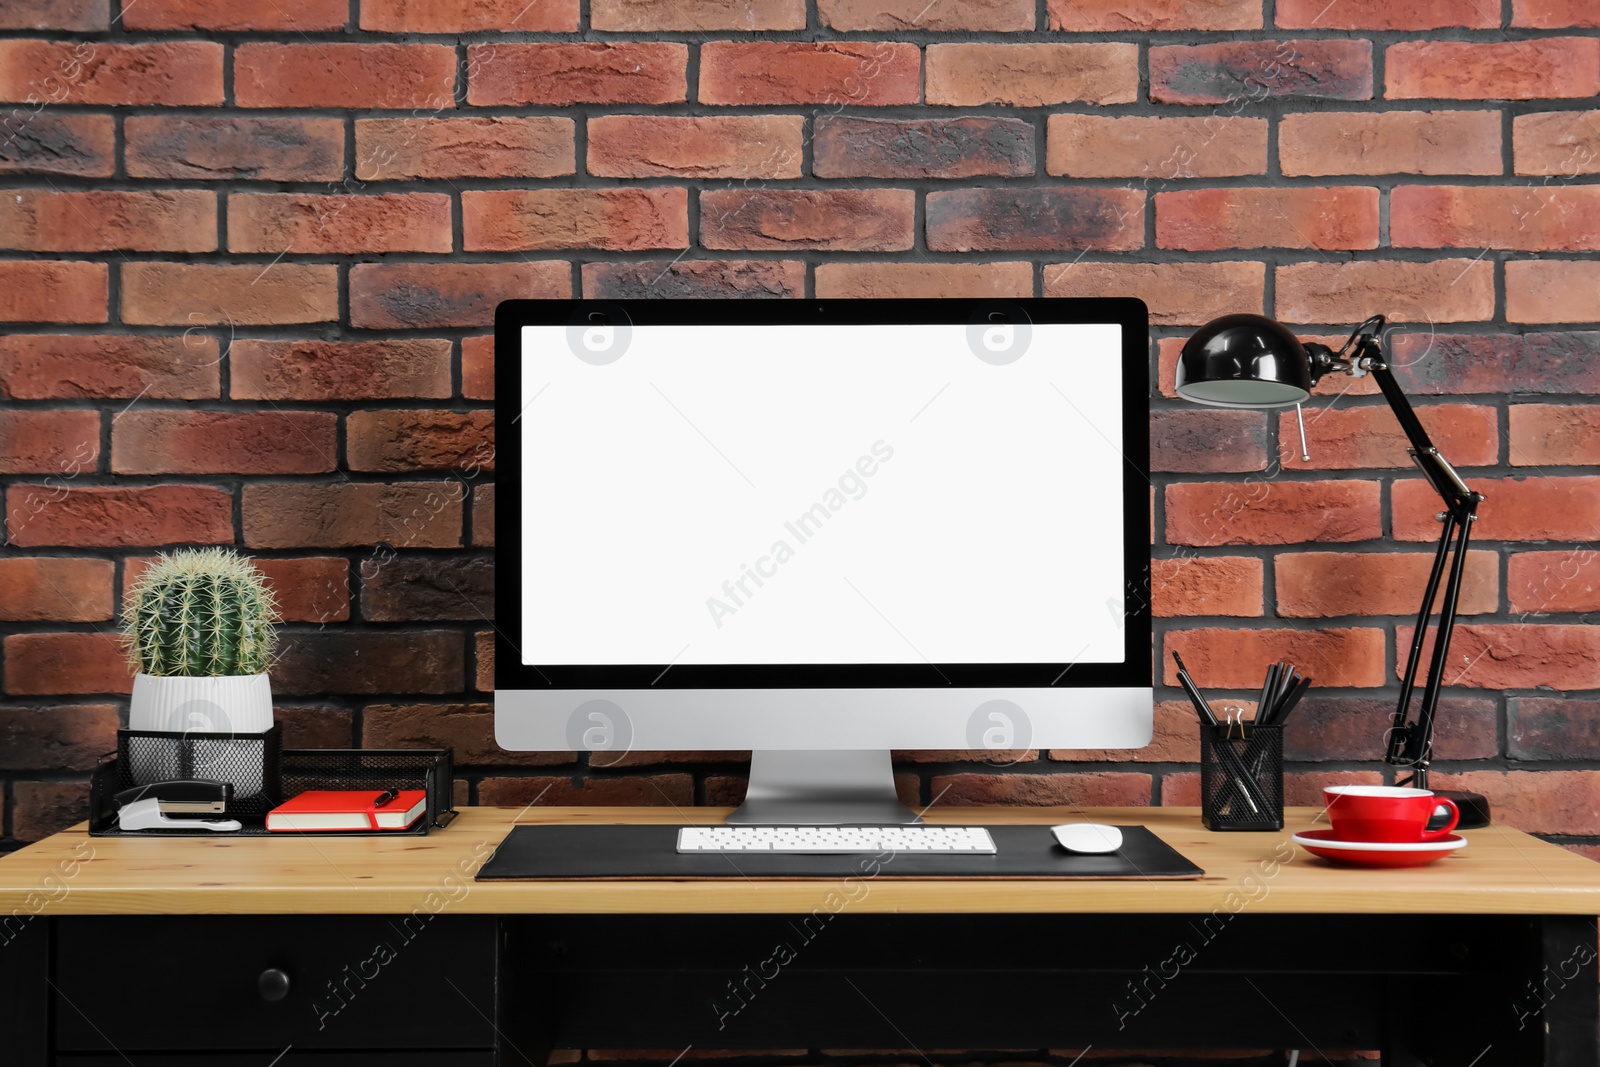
1087	837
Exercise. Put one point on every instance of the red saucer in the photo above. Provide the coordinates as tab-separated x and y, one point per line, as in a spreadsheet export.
1377	853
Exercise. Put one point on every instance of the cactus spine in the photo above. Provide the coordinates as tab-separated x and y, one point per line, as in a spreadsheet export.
201	612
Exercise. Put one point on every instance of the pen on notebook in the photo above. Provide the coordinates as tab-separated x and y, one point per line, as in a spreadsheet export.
384	797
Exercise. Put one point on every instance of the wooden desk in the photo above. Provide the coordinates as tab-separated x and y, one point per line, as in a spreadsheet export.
391	953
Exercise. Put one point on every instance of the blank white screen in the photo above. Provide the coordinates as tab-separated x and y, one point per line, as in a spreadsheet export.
989	529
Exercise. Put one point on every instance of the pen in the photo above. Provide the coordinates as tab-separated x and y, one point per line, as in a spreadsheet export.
384	797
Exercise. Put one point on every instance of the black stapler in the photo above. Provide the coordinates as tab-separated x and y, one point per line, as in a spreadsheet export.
151	807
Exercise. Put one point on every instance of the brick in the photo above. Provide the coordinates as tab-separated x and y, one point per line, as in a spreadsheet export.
1553	434
1177	294
1445	290
56	739
304	16
336	660
185	294
993	15
397	440
655	790
1315	144
1238	71
54	589
1348	438
78	366
466	729
304	222
421	588
1300	788
105	516
1537	219
1209	440
339	370
234	146
1155	149
1565	580
74	144
1032	75
1271	513
1048	219
316	726
695	146
859	220
48	442
1314	585
410	296
1205	585
168	220
617	220
483	654
1561	728
218	442
39	809
1541	802
1560	143
854	146
923	280
483	520
353	515
502	146
1554	14
1238	659
344	75
1201	220
649	16
83	15
306	589
171	73
1119	789
1444	363
37	290
1531	509
76	663
1385	15
617	280
1338	728
1121	16
469	16
1552	291
1543	68
477	365
589	72
840	73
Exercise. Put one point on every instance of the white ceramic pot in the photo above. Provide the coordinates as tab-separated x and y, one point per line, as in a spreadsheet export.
240	705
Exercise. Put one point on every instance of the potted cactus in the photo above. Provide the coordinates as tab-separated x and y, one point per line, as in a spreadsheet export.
200	632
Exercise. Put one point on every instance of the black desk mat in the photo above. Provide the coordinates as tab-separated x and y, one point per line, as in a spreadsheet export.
610	852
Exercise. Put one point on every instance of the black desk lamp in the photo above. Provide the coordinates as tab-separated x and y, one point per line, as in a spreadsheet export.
1248	361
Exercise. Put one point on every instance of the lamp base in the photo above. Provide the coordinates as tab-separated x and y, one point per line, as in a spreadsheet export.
1474	808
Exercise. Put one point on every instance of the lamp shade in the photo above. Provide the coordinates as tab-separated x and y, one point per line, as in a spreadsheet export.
1244	361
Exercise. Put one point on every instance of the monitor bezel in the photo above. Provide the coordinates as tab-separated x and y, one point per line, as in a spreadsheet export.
1129	314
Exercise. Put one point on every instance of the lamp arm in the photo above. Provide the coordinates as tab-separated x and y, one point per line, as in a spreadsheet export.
1410	744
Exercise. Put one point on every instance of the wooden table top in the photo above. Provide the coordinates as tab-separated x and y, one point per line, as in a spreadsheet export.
1502	871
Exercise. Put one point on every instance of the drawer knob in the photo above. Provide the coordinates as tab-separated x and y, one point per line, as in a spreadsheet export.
273	984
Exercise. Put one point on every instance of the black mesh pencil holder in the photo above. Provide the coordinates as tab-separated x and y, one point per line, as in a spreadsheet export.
1241	777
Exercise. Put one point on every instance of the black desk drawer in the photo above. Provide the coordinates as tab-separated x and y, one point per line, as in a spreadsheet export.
294	1058
173	983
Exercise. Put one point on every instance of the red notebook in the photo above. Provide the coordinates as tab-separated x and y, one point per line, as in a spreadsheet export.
348	809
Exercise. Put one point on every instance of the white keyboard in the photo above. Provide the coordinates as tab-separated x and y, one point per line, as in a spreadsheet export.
933	840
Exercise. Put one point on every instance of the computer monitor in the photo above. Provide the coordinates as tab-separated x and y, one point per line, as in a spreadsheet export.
820	530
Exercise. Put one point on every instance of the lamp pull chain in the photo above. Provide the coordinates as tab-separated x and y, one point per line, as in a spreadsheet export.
1299	416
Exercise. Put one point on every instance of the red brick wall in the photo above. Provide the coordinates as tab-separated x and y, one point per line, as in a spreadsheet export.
249	255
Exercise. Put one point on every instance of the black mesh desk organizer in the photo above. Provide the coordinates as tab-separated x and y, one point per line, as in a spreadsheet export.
147	756
650	852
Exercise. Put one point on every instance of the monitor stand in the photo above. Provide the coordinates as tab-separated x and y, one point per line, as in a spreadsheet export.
810	787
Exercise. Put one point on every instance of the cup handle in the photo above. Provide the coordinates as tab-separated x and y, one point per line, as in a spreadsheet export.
1444	831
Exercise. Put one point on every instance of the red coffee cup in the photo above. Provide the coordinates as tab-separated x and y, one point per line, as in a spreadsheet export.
1385	813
